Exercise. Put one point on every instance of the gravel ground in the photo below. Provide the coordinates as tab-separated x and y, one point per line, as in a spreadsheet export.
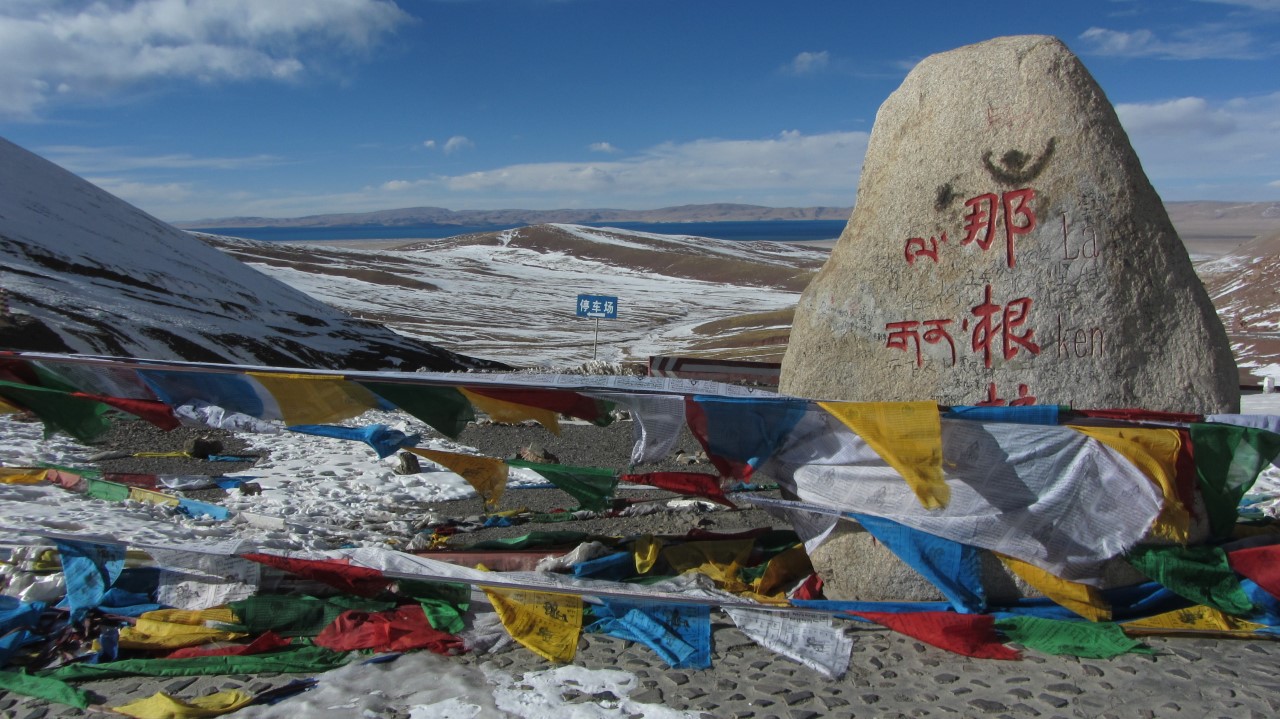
890	675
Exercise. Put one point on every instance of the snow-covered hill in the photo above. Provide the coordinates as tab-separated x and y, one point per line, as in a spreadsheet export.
1245	288
88	273
511	295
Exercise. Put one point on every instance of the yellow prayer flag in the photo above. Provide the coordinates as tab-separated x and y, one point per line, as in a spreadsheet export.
487	475
1155	453
155	633
718	559
907	435
1080	598
6	408
163	706
316	399
646	551
138	494
511	413
785	568
1197	617
22	475
546	624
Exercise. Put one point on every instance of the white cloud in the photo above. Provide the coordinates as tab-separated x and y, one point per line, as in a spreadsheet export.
1190	142
78	48
397	185
1201	43
429	144
144	194
82	159
457	143
1272	5
807	63
604	147
792	163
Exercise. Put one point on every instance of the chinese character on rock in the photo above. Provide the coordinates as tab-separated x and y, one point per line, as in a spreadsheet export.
1018	217
900	333
916	247
1011	317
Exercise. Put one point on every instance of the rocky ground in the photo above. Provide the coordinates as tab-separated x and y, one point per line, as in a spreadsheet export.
889	676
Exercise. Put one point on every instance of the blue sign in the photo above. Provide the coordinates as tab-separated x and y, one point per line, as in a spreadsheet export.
599	306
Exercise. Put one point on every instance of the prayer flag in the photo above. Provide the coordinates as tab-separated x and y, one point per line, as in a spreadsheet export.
1261	564
1228	460
686	483
46	688
314	398
22	475
560	401
740	434
1155	451
81	418
402	629
972	635
360	581
646	550
1025	414
504	412
1082	599
1200	574
444	409
907	435
678	633
231	391
1102	640
1199	617
546	624
954	568
592	486
384	440
163	706
90	570
307	659
268	641
810	638
153	411
487	475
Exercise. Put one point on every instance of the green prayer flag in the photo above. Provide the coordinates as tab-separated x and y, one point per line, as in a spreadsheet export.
81	418
591	486
310	659
50	690
102	489
445	409
294	615
1094	640
444	603
1200	574
1228	460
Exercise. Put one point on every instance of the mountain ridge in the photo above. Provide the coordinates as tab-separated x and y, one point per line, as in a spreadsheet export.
726	212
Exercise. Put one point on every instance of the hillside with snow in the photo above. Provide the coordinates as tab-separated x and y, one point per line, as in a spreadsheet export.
510	295
1245	288
88	273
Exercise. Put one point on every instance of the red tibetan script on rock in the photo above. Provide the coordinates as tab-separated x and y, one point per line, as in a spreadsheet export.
1011	316
903	335
916	247
980	226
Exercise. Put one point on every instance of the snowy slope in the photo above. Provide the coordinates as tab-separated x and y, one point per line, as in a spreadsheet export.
1245	288
89	273
511	295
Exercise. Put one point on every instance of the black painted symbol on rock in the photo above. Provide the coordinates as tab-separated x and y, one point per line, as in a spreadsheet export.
1016	167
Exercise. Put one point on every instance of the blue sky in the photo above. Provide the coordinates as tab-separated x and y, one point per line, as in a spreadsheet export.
194	109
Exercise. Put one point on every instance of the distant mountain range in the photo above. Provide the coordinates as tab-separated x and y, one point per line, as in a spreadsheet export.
719	212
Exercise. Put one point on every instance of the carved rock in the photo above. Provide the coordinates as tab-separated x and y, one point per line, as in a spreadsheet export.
1006	247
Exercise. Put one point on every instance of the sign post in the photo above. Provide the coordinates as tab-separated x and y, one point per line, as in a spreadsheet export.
597	306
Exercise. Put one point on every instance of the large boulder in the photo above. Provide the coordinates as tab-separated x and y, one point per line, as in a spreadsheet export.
1007	248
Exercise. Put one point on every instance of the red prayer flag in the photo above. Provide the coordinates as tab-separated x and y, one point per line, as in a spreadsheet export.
973	635
810	589
1139	415
360	581
695	483
268	642
402	629
1261	564
153	411
566	402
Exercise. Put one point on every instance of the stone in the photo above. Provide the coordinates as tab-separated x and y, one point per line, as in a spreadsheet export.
1006	247
407	463
202	447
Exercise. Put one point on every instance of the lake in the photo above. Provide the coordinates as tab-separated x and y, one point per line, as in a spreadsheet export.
773	230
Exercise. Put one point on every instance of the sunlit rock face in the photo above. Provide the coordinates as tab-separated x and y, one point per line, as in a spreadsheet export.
1006	248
